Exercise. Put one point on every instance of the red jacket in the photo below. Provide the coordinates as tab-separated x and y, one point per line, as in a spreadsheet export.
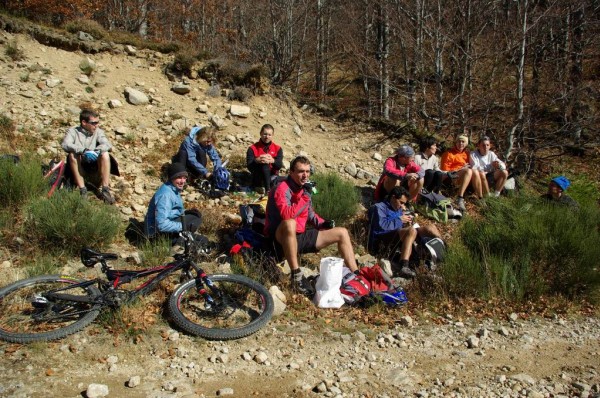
290	201
392	169
272	149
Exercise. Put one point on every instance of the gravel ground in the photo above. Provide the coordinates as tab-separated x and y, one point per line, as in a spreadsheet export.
471	358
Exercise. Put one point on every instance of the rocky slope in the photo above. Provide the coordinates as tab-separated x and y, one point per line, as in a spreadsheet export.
430	356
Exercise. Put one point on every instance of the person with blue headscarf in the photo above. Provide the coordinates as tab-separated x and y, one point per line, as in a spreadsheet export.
556	194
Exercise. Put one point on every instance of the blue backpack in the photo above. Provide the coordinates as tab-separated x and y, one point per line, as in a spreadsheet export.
221	178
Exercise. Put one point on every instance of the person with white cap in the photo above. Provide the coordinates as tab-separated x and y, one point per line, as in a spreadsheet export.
456	163
166	216
400	170
556	194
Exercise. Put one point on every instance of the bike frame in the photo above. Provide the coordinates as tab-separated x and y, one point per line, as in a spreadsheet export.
121	277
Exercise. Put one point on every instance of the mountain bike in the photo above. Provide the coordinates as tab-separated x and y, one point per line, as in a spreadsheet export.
216	307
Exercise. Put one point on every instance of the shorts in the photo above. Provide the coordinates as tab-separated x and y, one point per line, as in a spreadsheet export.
489	176
307	242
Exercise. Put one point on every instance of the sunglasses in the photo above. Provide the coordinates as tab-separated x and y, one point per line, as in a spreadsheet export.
93	123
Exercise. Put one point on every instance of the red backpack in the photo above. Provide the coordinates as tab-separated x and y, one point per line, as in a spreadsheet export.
369	280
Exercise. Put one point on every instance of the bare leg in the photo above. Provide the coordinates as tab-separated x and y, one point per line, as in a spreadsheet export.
464	179
286	236
407	236
429	231
476	184
389	183
485	189
340	236
500	176
74	162
414	187
104	168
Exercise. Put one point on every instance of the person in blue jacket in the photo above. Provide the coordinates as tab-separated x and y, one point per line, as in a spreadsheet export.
391	226
195	151
166	215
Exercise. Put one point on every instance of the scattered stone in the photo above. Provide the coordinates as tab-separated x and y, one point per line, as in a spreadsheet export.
218	122
523	378
261	357
239	110
279	299
52	82
377	156
136	97
225	391
503	331
406	321
181	88
83	36
513	317
130	50
114	103
297	130
202	108
351	169
96	390
472	341
134	381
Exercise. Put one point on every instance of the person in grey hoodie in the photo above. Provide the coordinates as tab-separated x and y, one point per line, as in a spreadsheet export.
88	152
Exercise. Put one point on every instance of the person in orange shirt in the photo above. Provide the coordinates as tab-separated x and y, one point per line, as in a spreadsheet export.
456	163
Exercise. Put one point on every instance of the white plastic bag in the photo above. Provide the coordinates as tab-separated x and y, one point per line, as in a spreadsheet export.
328	293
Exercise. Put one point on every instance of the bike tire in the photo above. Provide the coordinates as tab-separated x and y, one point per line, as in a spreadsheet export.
55	320
246	307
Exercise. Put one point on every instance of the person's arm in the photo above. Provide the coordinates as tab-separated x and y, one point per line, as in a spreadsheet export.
415	168
278	163
191	148
70	144
165	204
102	143
390	169
445	162
385	221
313	218
250	158
435	163
214	157
475	161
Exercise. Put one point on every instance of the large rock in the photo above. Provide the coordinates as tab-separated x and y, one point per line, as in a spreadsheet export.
181	88
136	97
218	122
239	110
279	300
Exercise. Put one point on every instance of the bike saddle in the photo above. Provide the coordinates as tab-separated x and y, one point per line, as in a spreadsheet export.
90	257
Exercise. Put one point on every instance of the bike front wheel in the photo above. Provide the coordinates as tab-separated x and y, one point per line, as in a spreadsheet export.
241	307
27	316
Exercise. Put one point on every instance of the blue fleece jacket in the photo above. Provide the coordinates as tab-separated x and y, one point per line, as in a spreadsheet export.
164	211
195	150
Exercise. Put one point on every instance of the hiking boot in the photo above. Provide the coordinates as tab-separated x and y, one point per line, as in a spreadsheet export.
107	196
460	202
303	286
406	273
83	192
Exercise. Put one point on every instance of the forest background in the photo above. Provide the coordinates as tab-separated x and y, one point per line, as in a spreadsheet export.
523	72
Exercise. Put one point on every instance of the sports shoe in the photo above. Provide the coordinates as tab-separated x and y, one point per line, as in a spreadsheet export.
407	273
83	192
460	202
303	286
107	196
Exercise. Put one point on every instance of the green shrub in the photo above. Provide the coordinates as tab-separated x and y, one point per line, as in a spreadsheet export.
155	252
242	94
336	199
584	190
183	63
44	265
525	248
7	127
66	222
88	26
20	182
13	51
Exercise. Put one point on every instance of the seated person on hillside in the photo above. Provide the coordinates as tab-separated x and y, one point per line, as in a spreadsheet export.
196	149
556	194
429	162
456	163
88	153
390	228
289	210
264	160
492	171
400	170
165	211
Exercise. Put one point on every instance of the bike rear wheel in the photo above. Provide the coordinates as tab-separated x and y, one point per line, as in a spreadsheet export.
25	316
244	307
